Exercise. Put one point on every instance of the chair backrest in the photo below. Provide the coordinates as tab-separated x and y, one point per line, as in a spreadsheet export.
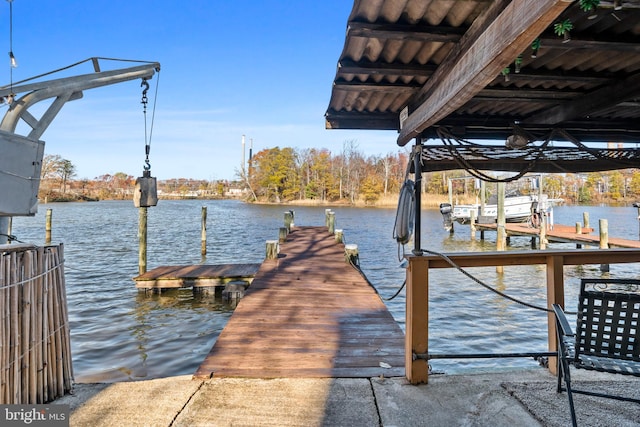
608	319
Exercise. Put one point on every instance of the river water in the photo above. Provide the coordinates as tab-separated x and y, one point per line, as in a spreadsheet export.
119	333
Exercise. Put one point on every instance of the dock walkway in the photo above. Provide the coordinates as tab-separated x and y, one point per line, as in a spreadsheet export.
562	234
308	313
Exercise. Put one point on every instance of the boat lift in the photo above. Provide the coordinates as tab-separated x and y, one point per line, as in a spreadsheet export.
21	159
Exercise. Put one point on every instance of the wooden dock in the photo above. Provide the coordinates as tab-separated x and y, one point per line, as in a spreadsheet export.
561	234
308	313
196	276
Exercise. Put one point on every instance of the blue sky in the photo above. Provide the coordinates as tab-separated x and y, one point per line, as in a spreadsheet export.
259	68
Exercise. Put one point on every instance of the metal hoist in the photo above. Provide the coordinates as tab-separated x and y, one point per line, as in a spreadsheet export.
146	189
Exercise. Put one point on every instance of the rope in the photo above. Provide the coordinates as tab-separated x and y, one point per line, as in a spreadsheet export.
484	285
11	238
364	276
446	138
144	101
463	271
31	279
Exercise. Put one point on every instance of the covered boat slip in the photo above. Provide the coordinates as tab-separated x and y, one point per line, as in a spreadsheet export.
308	313
517	86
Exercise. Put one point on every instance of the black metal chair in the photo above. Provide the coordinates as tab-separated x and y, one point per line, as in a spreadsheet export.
607	338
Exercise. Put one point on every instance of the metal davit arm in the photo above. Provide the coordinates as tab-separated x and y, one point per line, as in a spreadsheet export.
63	90
20	165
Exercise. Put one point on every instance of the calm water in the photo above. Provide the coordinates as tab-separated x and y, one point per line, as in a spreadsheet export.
118	333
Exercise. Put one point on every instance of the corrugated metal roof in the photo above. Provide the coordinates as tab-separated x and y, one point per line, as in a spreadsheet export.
398	53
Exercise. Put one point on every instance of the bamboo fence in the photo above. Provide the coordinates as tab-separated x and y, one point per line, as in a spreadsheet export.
35	346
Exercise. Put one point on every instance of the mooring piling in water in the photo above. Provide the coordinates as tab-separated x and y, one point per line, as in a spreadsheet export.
142	240
604	240
203	232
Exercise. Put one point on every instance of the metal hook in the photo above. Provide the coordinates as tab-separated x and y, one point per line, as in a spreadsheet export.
147	165
144	83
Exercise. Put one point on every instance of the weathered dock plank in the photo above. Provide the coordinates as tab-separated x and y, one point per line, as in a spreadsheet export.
308	314
562	233
203	275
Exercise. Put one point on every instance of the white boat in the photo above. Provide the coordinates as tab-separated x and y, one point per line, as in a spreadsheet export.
517	208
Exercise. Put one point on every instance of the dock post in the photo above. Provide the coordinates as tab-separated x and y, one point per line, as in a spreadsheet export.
578	232
203	232
450	191
142	240
483	202
288	220
472	223
604	240
332	222
501	233
272	249
585	219
351	254
339	236
417	321
282	236
47	227
326	217
638	206
543	230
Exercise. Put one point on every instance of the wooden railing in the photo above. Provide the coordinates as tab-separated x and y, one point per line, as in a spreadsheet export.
417	312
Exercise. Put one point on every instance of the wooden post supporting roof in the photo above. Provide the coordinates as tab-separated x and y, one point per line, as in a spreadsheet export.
479	60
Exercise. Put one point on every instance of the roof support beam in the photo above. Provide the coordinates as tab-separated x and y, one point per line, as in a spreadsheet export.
454	35
593	102
374	68
427	70
480	58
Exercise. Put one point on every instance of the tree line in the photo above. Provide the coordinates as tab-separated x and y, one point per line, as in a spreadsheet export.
290	175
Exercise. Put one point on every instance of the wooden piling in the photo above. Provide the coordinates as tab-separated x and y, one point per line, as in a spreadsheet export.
272	249
604	240
47	227
604	234
142	240
288	220
472	223
501	234
203	232
351	253
339	236
585	219
282	234
578	232
332	222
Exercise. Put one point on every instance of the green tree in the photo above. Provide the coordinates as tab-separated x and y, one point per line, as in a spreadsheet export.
634	184
371	188
616	185
274	174
66	170
553	186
